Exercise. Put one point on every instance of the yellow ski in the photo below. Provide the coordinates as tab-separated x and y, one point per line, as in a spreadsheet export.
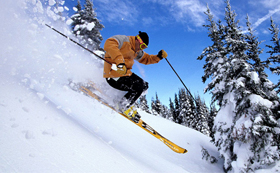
140	123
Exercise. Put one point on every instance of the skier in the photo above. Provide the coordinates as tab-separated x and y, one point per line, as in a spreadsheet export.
121	51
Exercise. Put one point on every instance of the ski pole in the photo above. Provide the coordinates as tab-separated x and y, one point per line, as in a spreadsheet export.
180	78
77	43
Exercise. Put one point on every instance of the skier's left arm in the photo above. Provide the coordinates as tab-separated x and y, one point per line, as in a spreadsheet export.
145	58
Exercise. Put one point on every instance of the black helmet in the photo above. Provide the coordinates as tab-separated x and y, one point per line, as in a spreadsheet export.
144	36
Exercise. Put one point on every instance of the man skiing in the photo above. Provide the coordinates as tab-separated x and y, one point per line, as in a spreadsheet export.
121	51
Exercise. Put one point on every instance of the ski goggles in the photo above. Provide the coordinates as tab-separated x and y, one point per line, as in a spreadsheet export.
142	44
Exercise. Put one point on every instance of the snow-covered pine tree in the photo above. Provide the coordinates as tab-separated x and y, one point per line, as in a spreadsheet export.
182	104
165	112
78	6
192	119
156	107
263	101
245	126
172	110
153	107
86	26
275	51
177	110
186	114
202	114
254	51
215	58
213	114
77	19
220	68
143	104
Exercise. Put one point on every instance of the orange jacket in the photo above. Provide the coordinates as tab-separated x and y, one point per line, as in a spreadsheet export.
121	49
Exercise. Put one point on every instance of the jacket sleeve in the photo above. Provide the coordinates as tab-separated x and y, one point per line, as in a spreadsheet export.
149	59
111	47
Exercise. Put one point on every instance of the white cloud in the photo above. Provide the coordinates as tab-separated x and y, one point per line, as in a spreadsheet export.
147	20
270	3
264	18
263	10
190	12
187	12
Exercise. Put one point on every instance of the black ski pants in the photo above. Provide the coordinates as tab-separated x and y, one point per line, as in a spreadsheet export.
134	85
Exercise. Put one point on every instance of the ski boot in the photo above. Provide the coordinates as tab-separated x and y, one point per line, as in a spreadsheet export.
132	114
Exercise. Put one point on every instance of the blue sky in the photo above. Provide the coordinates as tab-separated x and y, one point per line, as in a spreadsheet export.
176	27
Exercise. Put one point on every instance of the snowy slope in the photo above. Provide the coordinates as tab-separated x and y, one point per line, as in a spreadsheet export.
47	127
39	135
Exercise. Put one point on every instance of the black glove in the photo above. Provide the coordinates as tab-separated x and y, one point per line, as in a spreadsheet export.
162	54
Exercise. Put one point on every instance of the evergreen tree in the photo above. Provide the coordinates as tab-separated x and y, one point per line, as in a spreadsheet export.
213	114
153	107
192	118
156	106
79	6
275	51
165	112
87	27
77	19
143	104
177	111
172	110
254	51
202	117
186	112
245	121
215	58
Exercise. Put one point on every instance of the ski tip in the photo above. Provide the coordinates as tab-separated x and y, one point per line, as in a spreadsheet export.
175	147
181	151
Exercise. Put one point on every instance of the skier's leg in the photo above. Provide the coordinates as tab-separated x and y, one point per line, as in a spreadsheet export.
134	86
137	87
